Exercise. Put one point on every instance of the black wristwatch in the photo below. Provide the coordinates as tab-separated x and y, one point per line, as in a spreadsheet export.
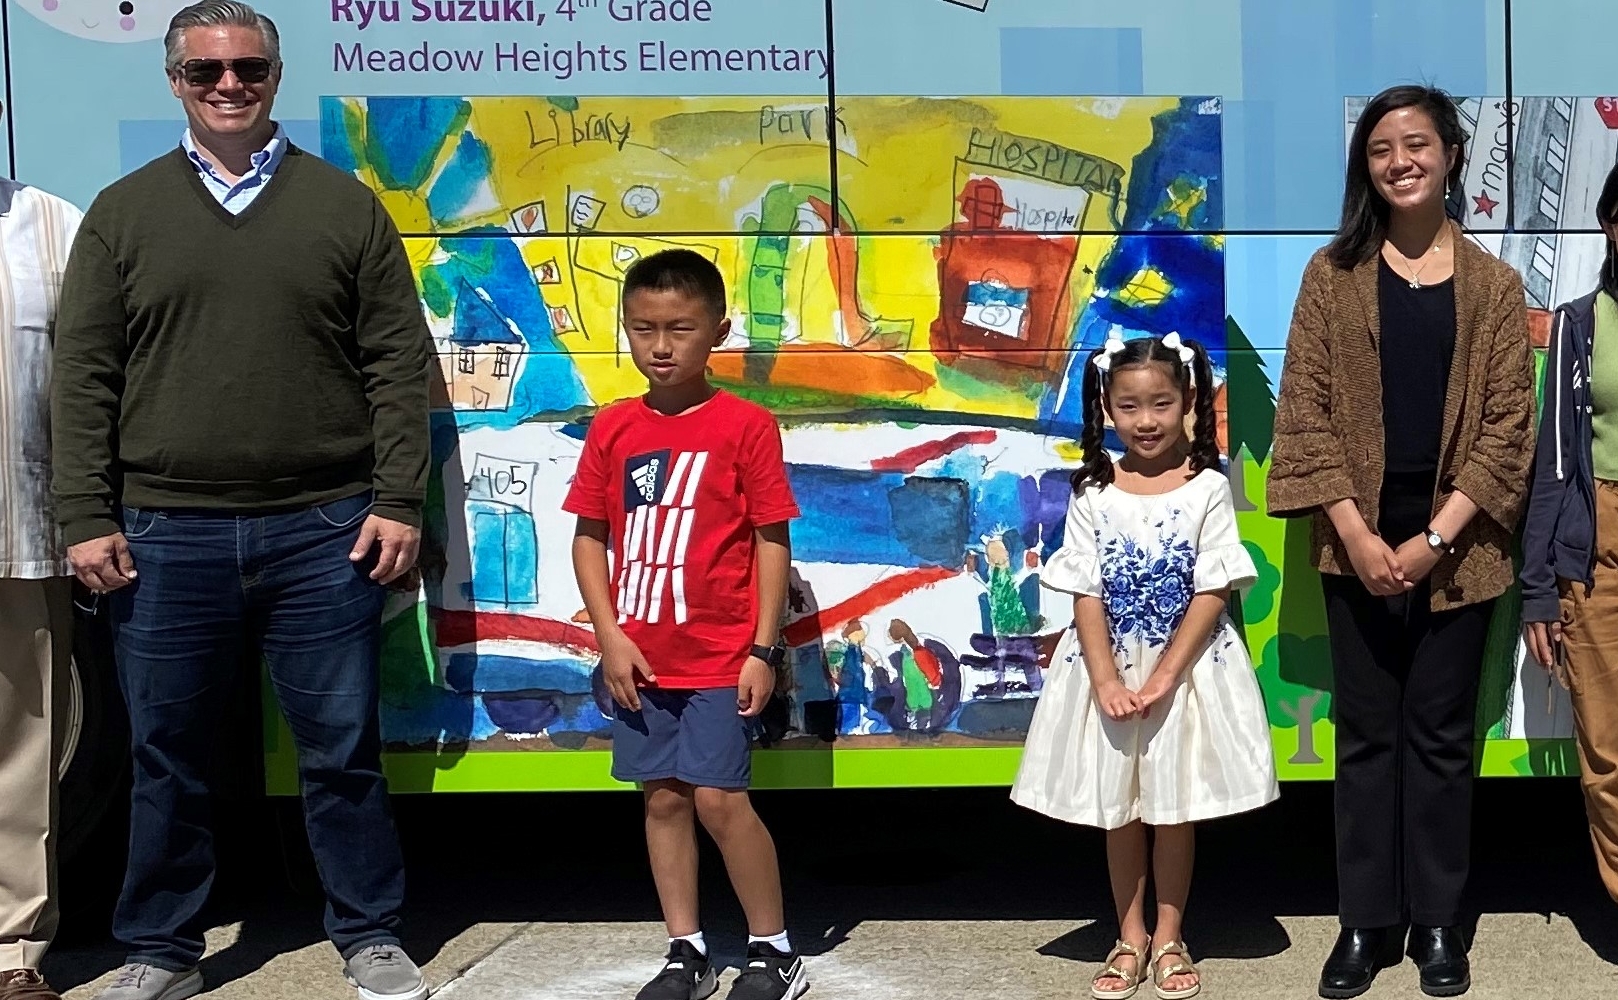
1436	542
773	655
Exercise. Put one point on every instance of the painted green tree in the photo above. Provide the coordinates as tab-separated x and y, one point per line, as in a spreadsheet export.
1295	673
1249	405
1259	601
1249	399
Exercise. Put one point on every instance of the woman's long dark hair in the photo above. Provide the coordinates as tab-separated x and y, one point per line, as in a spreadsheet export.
1365	213
1607	214
1096	469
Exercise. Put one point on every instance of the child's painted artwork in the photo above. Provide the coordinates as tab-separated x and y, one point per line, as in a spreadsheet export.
914	285
919	342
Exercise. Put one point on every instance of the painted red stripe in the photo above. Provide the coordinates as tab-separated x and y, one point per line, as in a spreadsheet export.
456	628
914	458
810	629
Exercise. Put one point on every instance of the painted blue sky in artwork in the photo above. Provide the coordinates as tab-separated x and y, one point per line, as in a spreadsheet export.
549	382
404	134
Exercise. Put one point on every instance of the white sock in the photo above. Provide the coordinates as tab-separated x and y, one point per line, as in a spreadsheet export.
696	942
779	942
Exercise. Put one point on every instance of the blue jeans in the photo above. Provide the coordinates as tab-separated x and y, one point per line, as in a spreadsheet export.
208	583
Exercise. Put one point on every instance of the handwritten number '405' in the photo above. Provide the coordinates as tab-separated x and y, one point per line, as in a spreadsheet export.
501	482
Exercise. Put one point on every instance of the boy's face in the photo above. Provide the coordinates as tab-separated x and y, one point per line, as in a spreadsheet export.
671	335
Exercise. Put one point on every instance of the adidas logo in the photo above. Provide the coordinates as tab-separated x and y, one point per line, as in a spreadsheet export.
645	480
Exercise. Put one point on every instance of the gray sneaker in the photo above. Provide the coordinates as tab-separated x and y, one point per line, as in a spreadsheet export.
148	982
385	972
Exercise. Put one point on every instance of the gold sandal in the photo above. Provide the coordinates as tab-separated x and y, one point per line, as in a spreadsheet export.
1111	971
1181	967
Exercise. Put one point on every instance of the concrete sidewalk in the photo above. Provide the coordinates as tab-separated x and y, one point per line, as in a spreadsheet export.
918	960
892	895
972	960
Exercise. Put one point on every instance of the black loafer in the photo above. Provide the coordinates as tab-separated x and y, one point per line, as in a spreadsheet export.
1360	953
1440	953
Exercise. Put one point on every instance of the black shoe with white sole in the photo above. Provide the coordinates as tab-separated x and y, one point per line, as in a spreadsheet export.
770	975
687	975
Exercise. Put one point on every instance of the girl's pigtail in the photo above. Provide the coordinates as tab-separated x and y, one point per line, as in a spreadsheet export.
1096	469
1205	433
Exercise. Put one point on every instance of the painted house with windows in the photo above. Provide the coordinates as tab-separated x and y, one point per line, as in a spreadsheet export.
483	357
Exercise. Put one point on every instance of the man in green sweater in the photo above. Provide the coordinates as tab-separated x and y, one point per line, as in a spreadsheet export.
239	414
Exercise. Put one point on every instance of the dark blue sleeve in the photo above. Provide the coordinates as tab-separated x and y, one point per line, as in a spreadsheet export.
1545	492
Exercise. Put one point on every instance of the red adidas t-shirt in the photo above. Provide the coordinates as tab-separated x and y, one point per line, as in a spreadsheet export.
681	496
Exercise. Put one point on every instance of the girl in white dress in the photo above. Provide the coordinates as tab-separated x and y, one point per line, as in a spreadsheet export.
1151	714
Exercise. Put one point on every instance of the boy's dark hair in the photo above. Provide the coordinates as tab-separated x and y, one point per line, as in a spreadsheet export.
1364	222
1096	469
1606	215
679	270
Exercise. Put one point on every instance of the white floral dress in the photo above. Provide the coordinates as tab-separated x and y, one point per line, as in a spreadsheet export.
1209	753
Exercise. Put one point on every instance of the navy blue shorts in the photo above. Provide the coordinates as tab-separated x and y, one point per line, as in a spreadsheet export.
696	737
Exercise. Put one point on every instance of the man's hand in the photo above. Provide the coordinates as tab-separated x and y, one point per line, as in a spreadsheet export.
399	543
621	660
754	688
103	564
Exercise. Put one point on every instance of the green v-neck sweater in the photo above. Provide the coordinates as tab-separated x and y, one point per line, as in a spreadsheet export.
253	364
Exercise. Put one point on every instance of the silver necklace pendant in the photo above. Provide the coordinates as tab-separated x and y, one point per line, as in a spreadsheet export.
1415	282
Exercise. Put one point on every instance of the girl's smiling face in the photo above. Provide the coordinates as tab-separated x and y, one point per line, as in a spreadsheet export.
1147	409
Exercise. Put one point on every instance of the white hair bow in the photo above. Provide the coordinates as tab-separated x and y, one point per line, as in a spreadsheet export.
1113	345
1187	355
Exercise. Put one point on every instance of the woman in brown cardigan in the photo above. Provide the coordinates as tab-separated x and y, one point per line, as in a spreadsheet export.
1405	429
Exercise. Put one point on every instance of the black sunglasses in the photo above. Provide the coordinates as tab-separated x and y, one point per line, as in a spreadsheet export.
207	72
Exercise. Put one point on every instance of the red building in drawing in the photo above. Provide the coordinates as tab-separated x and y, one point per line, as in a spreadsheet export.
1003	289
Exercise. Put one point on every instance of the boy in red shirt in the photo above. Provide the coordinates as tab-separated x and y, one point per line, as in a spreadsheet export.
686	489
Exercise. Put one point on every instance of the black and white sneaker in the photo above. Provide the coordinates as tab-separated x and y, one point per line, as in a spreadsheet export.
687	975
770	975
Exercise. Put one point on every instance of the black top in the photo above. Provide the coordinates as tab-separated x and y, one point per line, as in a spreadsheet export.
1418	341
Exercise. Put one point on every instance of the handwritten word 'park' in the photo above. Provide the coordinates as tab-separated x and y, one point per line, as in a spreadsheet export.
789	123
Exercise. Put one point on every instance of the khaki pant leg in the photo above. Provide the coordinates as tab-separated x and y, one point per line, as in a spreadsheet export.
35	643
1590	623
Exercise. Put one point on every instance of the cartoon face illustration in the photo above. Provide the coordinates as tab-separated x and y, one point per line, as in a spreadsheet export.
107	20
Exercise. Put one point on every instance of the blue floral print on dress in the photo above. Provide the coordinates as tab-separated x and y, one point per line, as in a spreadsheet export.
1147	589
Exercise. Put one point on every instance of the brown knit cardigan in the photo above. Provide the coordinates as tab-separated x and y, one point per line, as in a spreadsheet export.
1328	421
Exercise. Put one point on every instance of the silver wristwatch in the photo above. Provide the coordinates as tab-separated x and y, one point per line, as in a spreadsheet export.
1436	542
